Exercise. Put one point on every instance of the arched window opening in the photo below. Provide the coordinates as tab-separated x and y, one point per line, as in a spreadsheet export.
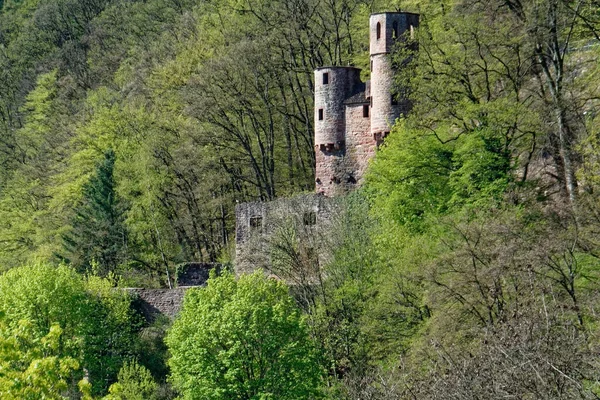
378	31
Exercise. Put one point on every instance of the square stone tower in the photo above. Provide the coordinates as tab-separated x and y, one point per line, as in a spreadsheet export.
352	117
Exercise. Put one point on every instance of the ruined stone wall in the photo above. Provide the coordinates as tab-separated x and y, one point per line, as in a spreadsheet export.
360	143
152	303
339	172
333	174
303	218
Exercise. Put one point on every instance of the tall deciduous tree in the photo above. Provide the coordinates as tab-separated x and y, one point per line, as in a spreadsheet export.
33	367
242	339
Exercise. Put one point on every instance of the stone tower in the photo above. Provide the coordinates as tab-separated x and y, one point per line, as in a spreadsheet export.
352	117
385	30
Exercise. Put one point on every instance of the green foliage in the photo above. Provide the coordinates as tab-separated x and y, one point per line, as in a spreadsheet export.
410	178
97	328
98	236
33	367
134	383
242	339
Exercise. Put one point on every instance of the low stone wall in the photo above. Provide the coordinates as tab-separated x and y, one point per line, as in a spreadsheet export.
152	303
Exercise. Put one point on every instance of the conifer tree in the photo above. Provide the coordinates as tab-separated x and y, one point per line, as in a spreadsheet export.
98	236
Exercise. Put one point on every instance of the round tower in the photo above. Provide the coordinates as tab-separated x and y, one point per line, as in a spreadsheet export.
332	86
384	30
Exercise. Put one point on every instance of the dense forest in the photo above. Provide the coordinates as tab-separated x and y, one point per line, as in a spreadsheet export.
466	267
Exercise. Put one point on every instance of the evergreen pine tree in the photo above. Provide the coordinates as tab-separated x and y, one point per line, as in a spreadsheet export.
98	236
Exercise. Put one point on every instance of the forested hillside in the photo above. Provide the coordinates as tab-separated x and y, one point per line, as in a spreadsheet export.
173	109
466	267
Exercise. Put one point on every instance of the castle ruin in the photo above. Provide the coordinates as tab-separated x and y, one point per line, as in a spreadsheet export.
351	118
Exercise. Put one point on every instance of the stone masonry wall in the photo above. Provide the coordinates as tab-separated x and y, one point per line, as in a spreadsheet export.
152	303
383	112
155	302
302	216
339	172
333	174
360	143
329	100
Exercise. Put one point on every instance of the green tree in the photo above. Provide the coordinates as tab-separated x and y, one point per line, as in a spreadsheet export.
242	339
98	329
32	367
98	236
135	383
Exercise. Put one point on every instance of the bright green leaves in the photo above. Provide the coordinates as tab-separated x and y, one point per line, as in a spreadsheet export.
135	383
96	324
410	176
33	367
242	339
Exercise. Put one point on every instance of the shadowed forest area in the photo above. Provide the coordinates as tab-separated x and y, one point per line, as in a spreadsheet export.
466	267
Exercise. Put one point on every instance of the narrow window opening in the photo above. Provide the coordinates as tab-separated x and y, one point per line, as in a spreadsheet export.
378	31
320	114
325	78
394	101
309	218
395	30
366	111
371	66
256	222
412	32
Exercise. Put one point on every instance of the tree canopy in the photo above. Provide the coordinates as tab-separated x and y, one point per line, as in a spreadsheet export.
242	339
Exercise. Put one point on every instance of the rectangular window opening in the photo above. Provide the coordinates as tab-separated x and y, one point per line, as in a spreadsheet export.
366	111
256	222
309	218
326	78
320	114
